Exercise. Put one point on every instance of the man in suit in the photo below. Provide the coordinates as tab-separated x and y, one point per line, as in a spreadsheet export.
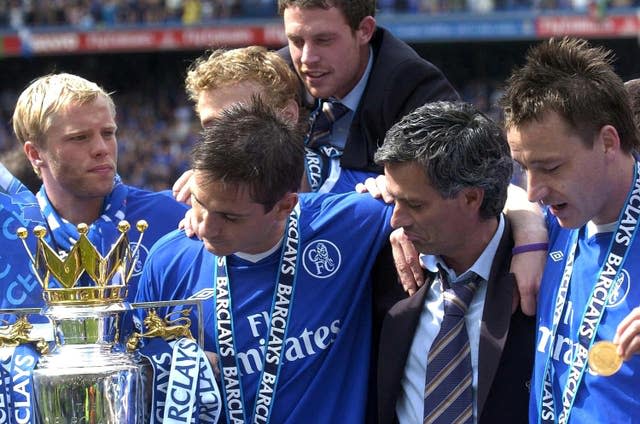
448	168
340	54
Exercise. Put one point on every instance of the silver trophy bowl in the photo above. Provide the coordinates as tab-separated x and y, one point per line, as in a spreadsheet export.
88	377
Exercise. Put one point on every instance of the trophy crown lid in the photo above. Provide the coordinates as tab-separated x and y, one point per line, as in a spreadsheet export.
83	275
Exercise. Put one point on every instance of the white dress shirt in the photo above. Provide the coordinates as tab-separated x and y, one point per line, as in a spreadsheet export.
410	404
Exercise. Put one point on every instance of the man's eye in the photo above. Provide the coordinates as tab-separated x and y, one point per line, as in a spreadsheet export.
229	218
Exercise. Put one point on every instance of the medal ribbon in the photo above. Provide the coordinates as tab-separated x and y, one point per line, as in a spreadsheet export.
594	310
319	165
277	333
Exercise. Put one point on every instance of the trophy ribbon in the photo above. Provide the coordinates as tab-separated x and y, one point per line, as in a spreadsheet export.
158	352
604	359
183	383
184	386
23	362
208	392
5	383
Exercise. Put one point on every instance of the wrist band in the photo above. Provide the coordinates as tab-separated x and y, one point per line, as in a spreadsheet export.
529	248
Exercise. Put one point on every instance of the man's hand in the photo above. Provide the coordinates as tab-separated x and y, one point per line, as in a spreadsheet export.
527	267
405	255
189	224
213	360
181	189
376	187
407	262
628	335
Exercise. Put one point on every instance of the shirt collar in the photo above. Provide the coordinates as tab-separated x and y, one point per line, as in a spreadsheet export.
482	265
352	99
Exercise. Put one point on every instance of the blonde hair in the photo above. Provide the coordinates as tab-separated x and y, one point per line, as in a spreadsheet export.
45	97
222	68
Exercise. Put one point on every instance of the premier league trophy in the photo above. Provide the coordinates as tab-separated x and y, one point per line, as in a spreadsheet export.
88	375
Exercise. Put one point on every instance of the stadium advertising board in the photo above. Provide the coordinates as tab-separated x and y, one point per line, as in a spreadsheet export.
412	29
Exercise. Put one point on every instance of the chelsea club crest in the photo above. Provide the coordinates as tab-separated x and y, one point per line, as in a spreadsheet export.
321	258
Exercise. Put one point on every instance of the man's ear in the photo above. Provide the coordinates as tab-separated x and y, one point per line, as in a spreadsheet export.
366	29
610	138
472	197
291	111
33	155
285	205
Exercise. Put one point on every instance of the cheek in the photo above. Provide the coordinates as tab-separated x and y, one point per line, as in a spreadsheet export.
295	53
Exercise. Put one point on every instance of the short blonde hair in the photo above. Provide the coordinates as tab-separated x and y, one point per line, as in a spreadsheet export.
222	68
45	97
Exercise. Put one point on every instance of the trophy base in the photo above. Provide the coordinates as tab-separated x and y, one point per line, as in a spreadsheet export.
81	384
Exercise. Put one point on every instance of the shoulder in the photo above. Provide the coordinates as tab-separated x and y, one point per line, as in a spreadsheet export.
401	80
163	197
158	208
396	56
354	203
173	244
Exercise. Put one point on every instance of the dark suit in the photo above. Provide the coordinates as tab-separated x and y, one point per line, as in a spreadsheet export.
400	81
505	354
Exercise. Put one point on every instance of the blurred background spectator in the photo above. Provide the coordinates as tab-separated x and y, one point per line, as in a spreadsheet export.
108	13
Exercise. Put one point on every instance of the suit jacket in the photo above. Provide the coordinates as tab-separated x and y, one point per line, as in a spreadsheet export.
506	349
400	81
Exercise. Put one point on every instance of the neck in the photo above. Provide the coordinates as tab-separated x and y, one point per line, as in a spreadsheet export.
273	237
619	185
75	210
473	244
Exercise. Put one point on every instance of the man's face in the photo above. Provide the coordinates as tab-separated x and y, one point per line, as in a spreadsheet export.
435	225
229	221
327	54
212	102
78	159
562	173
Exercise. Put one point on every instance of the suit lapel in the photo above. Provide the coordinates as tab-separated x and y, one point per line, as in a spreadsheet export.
496	316
399	329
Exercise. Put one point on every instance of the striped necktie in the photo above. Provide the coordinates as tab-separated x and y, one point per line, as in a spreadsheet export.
322	120
448	397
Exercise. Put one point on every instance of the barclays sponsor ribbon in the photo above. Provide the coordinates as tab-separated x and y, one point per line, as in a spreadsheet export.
619	247
276	333
184	386
5	383
183	383
23	361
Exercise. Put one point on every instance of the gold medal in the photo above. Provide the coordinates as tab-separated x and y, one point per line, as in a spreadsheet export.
604	359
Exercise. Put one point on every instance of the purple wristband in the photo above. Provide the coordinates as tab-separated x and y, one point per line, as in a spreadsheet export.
529	248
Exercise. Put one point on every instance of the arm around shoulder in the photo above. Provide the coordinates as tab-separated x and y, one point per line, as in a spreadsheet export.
530	253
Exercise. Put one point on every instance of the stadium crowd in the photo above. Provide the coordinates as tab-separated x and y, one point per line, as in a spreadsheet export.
172	127
16	14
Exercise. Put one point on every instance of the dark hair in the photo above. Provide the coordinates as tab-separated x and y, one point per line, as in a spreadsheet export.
569	77
633	89
458	146
353	10
250	145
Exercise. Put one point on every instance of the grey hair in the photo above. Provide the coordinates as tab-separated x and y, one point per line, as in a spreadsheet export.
458	147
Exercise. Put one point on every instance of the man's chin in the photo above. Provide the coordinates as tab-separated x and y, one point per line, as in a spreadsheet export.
217	249
318	91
